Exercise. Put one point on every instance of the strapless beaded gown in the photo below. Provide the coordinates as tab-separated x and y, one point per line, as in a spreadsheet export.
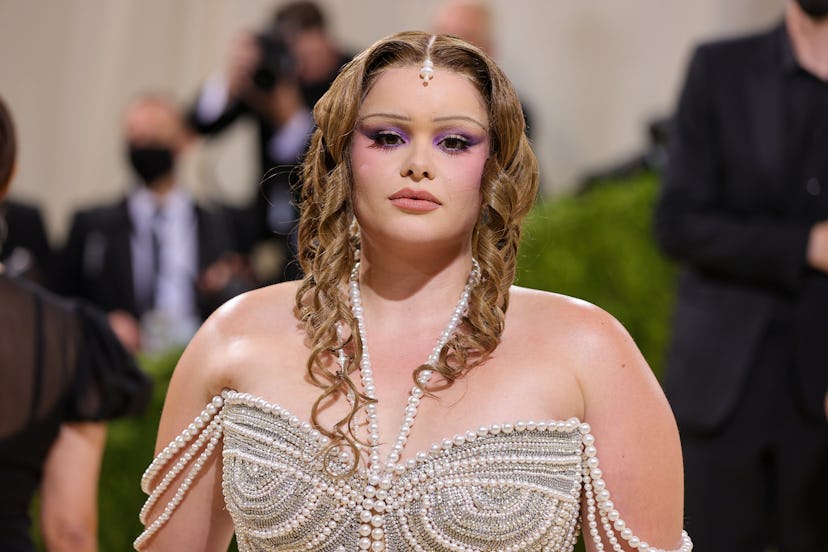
515	486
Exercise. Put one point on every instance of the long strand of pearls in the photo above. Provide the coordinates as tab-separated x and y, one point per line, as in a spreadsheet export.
180	442
207	431
379	476
598	501
213	429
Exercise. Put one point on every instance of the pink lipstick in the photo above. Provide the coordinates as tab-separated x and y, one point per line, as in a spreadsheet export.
414	200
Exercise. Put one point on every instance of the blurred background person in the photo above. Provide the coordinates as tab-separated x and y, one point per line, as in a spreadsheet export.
155	260
26	249
274	76
472	20
590	74
744	206
64	374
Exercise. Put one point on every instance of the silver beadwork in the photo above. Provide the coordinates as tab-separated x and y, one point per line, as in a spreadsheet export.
469	492
483	490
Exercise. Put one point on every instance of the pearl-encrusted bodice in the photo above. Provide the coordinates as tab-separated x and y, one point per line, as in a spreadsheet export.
515	486
503	487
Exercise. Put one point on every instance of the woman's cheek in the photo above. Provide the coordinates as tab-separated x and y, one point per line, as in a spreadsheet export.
361	167
469	172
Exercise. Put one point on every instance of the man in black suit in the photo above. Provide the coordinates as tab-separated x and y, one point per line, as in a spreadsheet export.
745	208
26	251
156	261
275	78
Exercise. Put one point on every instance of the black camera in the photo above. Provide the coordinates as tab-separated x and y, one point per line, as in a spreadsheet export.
275	61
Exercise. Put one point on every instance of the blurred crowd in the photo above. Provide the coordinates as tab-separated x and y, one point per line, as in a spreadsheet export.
139	275
159	260
156	262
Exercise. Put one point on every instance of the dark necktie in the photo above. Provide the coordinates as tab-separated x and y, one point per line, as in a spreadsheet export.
155	233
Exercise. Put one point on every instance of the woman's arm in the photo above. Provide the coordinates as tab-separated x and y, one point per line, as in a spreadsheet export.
635	435
239	334
69	492
199	522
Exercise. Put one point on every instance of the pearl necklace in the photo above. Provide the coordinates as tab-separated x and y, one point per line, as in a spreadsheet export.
379	479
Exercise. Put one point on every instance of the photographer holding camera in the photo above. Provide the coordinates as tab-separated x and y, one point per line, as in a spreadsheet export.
275	77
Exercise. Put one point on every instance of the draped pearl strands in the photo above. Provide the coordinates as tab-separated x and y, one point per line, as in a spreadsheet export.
373	503
206	430
598	499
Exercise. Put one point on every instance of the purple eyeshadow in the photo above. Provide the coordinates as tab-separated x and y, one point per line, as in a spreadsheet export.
470	140
376	133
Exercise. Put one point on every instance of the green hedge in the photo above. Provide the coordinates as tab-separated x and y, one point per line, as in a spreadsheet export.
596	246
129	450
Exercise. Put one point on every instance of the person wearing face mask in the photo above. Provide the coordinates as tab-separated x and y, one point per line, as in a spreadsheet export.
156	261
744	207
65	375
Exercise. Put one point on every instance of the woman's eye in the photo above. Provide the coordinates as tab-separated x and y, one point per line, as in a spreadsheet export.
387	139
454	143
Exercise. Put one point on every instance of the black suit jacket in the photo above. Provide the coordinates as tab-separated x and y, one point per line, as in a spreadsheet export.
96	261
729	212
26	242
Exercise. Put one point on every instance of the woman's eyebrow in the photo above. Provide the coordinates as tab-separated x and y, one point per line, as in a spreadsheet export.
460	118
394	116
398	117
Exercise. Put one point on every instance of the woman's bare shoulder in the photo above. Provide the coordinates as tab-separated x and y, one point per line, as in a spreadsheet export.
579	333
570	316
621	400
242	332
255	311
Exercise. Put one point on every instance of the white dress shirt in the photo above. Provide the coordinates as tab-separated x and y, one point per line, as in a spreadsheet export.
173	315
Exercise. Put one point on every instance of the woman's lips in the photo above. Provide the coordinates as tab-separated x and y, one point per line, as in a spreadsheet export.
412	200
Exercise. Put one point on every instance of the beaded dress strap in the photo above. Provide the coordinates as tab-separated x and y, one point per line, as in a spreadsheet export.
598	502
195	445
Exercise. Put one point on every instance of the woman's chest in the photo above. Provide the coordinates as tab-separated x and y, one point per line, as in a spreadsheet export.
515	484
502	390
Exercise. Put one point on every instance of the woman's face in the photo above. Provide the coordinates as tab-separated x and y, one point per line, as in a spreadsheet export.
417	158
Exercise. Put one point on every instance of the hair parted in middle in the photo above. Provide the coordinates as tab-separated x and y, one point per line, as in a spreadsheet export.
328	244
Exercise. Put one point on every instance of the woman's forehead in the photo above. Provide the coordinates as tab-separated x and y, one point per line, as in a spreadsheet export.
401	91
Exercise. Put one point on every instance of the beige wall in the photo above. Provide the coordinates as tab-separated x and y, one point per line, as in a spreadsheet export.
594	72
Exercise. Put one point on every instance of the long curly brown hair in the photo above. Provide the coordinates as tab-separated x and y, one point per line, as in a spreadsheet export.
327	244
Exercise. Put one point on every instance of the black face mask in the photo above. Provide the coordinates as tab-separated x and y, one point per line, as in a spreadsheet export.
151	162
814	8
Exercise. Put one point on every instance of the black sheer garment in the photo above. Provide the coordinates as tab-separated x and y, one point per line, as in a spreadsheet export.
59	362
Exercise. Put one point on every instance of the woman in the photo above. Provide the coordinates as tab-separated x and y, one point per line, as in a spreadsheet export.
64	374
415	185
